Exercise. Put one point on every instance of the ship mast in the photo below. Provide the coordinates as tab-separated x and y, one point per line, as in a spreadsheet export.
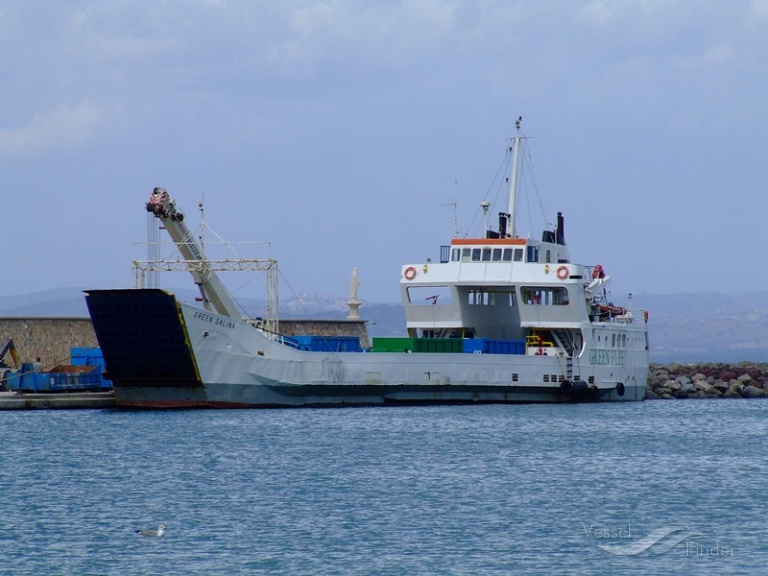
513	181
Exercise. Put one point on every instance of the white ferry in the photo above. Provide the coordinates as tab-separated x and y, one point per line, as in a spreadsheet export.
499	318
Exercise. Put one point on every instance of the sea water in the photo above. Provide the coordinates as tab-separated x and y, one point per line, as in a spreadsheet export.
660	487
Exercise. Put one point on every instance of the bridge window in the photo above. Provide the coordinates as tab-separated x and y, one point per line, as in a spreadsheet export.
518	254
533	254
475	254
496	255
465	254
486	254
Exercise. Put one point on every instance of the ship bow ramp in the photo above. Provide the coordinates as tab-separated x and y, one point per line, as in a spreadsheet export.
143	338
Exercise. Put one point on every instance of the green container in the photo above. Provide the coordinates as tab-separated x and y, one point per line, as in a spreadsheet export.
449	345
392	344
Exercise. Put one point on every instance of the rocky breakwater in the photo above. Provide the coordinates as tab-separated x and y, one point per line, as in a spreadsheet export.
743	380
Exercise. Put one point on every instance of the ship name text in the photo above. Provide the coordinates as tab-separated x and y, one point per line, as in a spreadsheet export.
610	357
223	322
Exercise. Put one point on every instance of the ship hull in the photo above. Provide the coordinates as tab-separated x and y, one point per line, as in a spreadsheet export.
217	395
161	353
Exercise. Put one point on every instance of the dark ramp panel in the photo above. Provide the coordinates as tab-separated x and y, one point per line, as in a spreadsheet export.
142	337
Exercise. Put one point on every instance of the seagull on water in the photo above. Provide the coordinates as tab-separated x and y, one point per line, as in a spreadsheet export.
159	533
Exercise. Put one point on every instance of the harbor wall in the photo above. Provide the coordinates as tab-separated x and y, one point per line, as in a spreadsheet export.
49	339
326	328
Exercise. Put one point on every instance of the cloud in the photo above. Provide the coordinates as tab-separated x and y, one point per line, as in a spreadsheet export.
63	128
713	56
385	35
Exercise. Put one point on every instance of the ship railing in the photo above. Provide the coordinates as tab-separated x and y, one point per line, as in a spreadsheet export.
618	315
276	337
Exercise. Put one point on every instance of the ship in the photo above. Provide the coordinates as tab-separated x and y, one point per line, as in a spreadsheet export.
500	318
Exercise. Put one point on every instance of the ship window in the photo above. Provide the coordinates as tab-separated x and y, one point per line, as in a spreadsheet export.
533	254
456	254
518	255
496	255
507	254
480	298
429	295
486	254
545	295
475	254
548	257
465	254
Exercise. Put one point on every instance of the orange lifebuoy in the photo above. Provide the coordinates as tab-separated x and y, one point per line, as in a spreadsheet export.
410	273
562	272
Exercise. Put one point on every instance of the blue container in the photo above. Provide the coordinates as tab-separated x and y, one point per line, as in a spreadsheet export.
303	342
84	373
328	343
506	347
30	380
475	346
81	356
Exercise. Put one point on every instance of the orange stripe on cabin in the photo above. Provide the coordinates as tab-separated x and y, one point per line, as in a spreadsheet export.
488	241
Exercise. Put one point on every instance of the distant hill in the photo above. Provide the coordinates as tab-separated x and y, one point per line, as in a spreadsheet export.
707	327
696	327
57	302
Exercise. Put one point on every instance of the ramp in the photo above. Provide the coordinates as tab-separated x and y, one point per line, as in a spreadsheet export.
143	338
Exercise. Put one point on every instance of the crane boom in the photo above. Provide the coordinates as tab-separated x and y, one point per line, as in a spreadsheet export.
10	347
214	294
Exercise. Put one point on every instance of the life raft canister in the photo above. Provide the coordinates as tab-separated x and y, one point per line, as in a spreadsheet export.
562	272
598	272
410	273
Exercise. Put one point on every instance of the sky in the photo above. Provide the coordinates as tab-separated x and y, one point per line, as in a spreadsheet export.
365	134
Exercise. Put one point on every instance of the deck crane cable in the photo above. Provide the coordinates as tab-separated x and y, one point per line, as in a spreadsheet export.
498	182
536	189
192	237
527	168
296	296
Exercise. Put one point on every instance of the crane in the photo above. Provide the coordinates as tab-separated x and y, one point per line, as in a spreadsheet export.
215	296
